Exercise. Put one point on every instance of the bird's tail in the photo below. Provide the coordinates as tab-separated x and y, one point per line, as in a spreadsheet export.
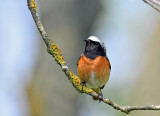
98	91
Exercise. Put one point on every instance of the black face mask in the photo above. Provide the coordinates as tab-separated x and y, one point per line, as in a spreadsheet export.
93	49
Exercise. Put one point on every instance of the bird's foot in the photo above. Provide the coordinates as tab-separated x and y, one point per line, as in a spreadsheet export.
83	83
100	97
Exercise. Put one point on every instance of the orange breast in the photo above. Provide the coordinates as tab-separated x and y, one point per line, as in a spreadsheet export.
100	66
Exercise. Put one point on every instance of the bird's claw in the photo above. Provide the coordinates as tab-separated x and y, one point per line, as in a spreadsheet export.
100	96
83	83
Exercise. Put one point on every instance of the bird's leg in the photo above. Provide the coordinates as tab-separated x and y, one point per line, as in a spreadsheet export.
101	95
83	83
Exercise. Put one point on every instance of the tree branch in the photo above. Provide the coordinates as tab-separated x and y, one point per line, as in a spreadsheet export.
153	3
57	55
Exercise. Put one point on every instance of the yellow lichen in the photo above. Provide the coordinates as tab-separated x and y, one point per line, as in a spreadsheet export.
108	101
56	52
77	83
34	5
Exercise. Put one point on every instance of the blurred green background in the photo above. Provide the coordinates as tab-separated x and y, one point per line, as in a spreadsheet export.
32	84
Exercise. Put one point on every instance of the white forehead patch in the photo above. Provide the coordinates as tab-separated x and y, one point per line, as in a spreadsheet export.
96	39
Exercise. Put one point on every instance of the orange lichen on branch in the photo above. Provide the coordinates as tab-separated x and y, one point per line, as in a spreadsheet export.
34	5
56	52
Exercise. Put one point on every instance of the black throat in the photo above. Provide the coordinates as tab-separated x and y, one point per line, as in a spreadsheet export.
93	50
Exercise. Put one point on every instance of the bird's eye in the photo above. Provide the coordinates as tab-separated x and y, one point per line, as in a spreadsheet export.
96	43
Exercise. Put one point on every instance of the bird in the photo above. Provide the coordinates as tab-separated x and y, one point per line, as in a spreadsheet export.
93	66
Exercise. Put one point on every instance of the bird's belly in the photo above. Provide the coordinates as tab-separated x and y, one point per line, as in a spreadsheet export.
93	82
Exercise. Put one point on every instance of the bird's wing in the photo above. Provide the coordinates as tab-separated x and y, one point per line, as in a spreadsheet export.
109	62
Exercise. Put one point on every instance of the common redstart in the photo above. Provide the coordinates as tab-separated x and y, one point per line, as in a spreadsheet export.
93	66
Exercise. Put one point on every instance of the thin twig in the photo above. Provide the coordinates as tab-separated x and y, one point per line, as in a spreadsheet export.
155	2
152	3
56	53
